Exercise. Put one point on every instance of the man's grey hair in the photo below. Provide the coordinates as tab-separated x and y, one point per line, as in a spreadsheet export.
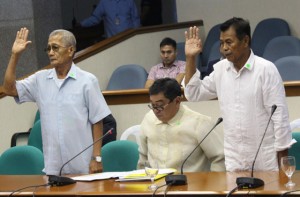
68	38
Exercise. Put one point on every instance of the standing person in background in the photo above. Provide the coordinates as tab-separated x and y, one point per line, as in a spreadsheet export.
117	15
70	102
247	86
170	67
151	12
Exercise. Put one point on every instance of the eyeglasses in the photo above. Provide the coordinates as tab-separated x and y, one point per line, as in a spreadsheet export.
54	47
158	108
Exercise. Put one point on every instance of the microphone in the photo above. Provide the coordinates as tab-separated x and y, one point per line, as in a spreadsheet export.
60	180
251	182
180	179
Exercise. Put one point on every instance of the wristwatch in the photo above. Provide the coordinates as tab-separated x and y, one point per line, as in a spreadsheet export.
97	158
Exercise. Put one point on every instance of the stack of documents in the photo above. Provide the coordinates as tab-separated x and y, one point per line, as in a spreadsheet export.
136	175
140	175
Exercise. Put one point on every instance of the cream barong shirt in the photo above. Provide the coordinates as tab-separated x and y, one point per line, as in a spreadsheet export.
170	144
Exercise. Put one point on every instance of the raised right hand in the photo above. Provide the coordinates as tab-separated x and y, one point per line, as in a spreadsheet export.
21	41
193	44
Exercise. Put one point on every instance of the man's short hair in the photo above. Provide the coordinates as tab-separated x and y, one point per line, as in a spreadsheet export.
241	26
168	41
168	86
67	37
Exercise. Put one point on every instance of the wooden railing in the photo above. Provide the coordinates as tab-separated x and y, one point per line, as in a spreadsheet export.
107	43
119	97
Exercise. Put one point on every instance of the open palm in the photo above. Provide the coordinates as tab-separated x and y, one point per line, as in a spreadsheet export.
21	41
193	44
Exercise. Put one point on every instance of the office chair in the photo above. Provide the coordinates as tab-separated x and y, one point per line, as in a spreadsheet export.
266	30
22	160
129	76
120	155
37	116
214	52
282	46
295	149
181	52
295	124
35	136
212	37
23	134
132	131
289	68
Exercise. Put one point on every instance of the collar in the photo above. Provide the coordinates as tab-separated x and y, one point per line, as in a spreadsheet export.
71	74
175	120
248	65
175	63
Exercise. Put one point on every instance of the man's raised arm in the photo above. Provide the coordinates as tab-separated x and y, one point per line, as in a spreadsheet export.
20	44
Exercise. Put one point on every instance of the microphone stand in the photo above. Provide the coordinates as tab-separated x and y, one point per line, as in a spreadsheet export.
252	182
60	180
180	179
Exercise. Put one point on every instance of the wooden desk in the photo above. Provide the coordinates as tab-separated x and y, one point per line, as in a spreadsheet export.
136	96
213	184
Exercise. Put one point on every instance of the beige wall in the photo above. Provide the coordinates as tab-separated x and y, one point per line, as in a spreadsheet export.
141	49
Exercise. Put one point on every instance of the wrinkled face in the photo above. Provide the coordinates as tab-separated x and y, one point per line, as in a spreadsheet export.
168	55
59	54
235	50
163	108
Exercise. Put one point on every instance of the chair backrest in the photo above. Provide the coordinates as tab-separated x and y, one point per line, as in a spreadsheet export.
295	149
109	122
295	124
181	52
119	156
22	160
132	131
37	116
282	46
35	136
214	52
130	76
266	30
289	68
212	37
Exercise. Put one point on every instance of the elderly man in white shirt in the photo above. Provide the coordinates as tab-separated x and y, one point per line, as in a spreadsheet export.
246	86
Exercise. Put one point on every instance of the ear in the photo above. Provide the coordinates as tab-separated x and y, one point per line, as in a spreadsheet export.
246	41
178	100
72	51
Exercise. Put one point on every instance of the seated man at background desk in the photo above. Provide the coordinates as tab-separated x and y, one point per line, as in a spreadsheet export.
170	131
170	67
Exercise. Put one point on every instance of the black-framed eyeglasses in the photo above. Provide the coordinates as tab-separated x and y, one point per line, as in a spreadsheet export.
159	108
54	48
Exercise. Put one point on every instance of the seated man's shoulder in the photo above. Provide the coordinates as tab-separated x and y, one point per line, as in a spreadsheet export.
197	115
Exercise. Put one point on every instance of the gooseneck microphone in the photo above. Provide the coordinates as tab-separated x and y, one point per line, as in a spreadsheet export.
180	179
60	180
251	182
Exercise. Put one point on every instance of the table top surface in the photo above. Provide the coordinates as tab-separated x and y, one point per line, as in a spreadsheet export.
199	183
